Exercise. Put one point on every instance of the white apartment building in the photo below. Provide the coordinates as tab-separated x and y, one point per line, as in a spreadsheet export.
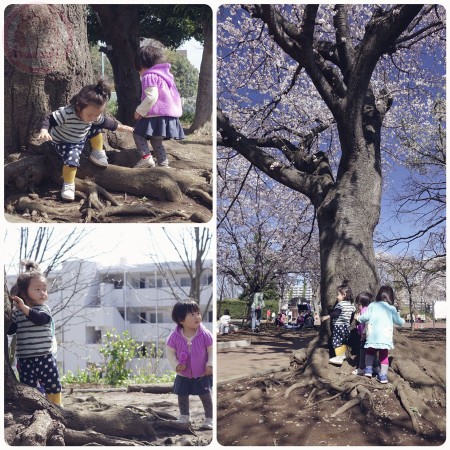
88	300
302	289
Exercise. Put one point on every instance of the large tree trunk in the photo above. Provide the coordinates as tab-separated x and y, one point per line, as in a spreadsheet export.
351	210
47	62
121	49
203	104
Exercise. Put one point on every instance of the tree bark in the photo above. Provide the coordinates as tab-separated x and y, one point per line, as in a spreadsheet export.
121	49
47	62
203	104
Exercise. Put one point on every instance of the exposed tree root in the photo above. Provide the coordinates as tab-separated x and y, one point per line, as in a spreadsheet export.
25	172
405	374
27	205
194	192
350	404
89	437
41	429
174	425
151	388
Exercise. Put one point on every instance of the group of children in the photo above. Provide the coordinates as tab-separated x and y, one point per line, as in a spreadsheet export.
157	116
375	325
189	346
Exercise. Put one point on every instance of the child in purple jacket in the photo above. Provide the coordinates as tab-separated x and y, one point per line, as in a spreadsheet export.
158	114
189	351
363	300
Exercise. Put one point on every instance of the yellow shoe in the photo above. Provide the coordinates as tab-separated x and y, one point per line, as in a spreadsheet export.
55	398
340	351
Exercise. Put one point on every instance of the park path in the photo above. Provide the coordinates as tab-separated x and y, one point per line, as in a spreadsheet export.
260	357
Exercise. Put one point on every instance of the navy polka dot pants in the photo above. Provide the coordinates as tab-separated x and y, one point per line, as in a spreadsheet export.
42	370
70	152
340	335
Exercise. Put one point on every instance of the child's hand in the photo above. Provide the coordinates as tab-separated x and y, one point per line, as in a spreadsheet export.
180	368
209	370
357	316
44	135
19	302
137	116
323	318
126	128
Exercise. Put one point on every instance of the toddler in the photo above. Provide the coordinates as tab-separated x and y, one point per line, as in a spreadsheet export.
342	315
362	301
189	351
33	325
381	315
70	126
160	108
224	322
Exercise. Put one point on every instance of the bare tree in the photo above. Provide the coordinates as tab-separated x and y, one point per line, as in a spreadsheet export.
192	247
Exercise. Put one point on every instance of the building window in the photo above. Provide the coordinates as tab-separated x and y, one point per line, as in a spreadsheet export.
93	336
142	283
151	282
185	282
154	316
142	317
206	280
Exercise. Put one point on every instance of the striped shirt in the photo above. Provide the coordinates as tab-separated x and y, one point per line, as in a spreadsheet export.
346	310
33	339
65	126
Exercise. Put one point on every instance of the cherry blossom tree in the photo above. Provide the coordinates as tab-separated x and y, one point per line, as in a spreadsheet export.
304	93
315	96
264	232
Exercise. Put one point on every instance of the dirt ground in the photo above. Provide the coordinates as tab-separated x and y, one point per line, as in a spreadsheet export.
191	154
278	421
83	399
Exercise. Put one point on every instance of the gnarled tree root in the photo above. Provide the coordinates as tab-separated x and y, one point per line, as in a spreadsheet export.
89	437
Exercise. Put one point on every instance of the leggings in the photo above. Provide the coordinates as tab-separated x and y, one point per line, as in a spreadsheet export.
183	404
383	354
157	145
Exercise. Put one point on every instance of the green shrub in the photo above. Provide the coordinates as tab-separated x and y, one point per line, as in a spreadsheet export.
238	308
112	107
118	351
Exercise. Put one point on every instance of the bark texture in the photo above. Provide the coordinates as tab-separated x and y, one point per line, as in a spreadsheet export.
47	62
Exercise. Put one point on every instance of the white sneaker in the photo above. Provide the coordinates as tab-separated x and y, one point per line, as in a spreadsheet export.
164	163
68	191
208	423
358	372
183	419
337	360
145	162
98	157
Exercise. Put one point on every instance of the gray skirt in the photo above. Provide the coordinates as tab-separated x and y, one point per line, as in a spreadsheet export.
192	386
162	126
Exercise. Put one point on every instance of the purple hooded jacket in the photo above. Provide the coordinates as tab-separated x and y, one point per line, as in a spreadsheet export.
169	101
196	357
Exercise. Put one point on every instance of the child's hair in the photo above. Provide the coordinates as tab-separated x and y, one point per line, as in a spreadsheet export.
92	94
385	294
182	309
147	56
31	272
345	290
227	312
364	299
